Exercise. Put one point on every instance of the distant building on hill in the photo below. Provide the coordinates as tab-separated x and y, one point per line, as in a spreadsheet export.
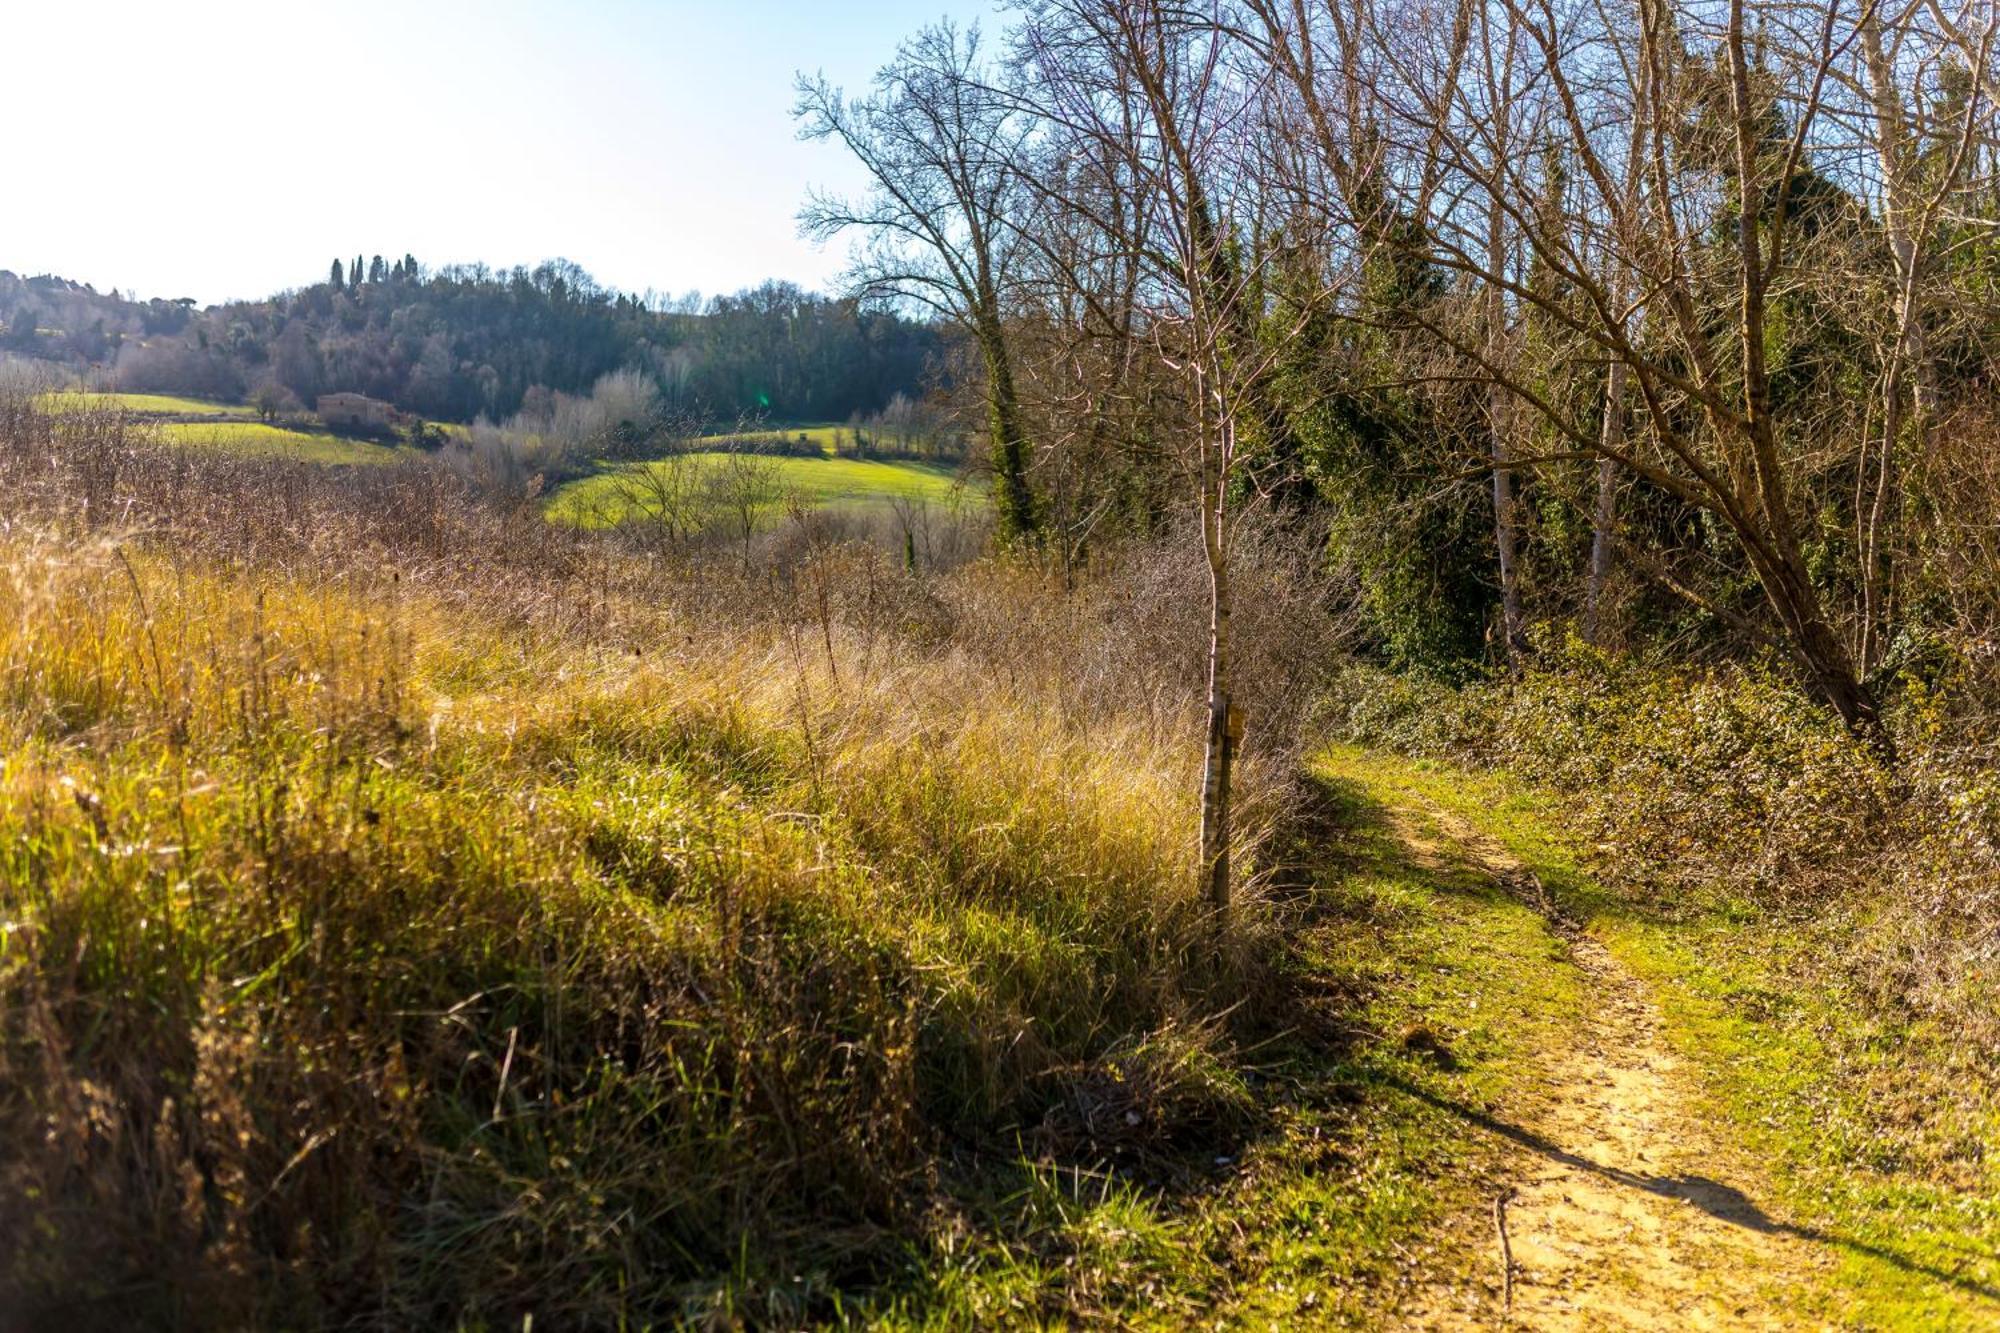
357	411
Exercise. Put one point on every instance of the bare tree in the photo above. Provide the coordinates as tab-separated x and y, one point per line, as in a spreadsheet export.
742	489
1724	144
1493	106
1922	112
943	151
273	400
1172	95
662	502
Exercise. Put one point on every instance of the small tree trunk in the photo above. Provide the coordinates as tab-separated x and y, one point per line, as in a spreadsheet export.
1908	356
1505	540
1224	730
1604	523
1877	565
1499	414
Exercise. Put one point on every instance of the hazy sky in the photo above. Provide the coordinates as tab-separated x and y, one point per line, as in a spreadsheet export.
231	148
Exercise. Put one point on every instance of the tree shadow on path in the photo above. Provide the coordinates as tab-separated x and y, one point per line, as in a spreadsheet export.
1721	1201
1375	834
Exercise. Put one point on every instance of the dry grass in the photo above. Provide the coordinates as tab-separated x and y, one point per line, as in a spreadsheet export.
411	913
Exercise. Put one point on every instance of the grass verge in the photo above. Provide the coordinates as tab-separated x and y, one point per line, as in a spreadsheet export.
1873	1133
1418	1001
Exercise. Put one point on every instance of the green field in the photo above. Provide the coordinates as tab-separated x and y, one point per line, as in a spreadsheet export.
823	436
230	427
149	404
819	482
254	439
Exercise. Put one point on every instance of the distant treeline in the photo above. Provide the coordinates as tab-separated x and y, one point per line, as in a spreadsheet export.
466	341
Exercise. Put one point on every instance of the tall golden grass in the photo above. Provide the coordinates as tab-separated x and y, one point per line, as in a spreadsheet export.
413	914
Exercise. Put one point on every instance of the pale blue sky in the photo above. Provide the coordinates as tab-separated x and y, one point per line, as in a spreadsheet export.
228	148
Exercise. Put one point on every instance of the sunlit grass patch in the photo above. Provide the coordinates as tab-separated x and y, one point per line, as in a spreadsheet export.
822	437
255	439
600	500
152	404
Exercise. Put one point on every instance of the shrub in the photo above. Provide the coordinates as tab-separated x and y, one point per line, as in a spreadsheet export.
1728	787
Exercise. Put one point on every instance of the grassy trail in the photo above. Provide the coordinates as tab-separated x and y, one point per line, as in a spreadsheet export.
1421	996
1639	1185
1622	1209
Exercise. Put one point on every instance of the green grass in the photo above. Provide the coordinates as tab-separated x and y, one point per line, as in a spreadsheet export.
597	501
168	405
1835	1104
150	404
824	436
1451	953
254	439
1364	1149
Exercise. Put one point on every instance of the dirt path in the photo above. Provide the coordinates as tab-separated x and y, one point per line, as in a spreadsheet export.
1621	1215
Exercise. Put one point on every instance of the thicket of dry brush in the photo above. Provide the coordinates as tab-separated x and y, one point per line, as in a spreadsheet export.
407	906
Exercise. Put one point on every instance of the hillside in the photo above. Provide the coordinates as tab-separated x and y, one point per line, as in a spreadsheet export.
465	341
